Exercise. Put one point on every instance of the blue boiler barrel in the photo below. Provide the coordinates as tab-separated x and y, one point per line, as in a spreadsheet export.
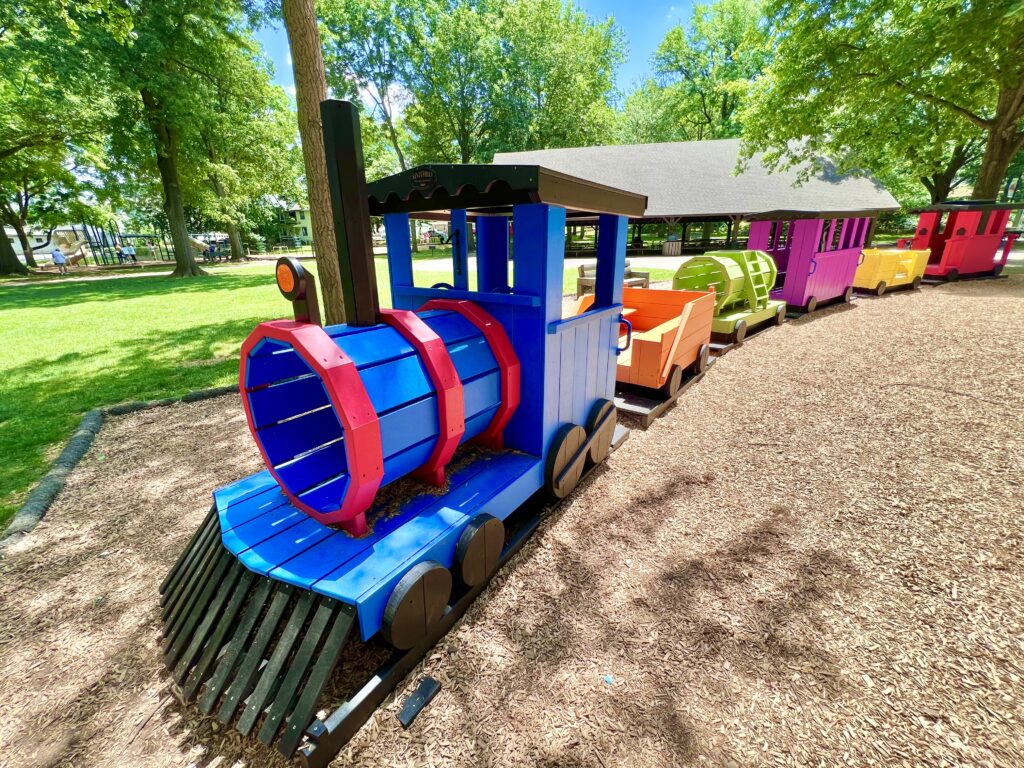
339	412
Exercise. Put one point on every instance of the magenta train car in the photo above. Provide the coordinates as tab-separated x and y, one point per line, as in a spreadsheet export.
816	257
967	238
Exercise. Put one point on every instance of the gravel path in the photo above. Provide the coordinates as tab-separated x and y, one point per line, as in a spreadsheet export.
815	558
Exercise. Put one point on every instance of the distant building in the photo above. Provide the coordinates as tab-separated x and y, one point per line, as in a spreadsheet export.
296	225
62	236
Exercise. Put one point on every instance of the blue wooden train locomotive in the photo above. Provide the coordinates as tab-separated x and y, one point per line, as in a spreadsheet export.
405	450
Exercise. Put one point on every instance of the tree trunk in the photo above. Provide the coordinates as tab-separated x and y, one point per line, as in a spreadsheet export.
235	238
234	234
26	244
1000	149
1003	143
174	207
310	90
18	225
10	264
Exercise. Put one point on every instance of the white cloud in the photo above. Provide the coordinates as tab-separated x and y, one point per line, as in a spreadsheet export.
290	89
289	58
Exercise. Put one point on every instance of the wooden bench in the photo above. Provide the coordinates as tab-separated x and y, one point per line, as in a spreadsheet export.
588	278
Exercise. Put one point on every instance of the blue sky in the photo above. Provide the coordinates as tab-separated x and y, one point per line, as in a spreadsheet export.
643	22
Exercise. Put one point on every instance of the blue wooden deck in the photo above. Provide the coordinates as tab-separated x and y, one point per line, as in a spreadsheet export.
270	537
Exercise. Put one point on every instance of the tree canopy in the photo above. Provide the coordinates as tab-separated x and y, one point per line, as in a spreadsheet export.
887	85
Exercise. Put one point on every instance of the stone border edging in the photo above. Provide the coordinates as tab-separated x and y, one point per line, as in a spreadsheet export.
42	496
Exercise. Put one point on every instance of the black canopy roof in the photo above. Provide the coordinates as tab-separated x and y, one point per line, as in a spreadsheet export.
495	189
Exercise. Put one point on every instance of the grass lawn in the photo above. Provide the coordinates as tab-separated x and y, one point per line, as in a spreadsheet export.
66	348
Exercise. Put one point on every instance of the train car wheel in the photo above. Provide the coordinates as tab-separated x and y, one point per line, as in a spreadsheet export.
416	604
880	289
564	448
952	276
780	316
997	270
479	549
674	381
812	304
848	296
740	332
703	356
601	436
915	284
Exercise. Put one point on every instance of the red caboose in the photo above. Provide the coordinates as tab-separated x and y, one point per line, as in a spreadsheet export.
966	238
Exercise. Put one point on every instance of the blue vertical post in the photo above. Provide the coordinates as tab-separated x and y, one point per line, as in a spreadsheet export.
460	250
537	271
396	232
611	259
491	253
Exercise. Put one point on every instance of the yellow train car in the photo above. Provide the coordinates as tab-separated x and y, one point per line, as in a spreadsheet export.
883	268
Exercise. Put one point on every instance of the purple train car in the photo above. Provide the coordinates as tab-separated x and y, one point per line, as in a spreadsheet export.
816	257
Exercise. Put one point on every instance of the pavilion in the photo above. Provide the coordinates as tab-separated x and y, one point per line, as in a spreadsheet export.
700	183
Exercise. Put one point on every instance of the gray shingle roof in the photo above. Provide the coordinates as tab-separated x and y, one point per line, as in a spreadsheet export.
690	179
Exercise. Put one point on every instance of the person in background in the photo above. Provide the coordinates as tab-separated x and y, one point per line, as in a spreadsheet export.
119	252
129	251
60	261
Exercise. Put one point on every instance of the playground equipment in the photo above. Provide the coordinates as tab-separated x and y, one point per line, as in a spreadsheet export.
964	239
670	333
374	515
817	258
742	282
882	269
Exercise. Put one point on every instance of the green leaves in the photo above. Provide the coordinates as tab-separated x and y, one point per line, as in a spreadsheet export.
903	87
459	80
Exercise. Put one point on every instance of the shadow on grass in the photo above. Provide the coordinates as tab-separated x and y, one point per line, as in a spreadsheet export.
55	294
35	414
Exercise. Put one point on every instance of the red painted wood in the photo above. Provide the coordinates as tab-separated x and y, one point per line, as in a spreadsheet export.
451	410
508	363
351	403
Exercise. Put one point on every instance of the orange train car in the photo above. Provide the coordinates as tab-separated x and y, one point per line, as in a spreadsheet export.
671	333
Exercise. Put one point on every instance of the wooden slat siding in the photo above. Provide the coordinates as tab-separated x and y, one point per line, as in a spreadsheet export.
222	675
342	621
595	355
580	398
249	667
188	553
805	236
197	639
295	673
198	675
645	355
671	339
182	627
190	557
567	379
276	664
757	239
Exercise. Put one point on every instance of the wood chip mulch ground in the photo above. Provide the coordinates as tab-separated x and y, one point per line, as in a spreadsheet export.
814	559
